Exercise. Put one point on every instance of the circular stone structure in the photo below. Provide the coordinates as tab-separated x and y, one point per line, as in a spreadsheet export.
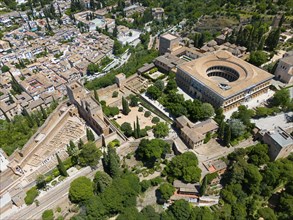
222	73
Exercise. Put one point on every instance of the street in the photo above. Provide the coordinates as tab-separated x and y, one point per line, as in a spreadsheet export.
49	199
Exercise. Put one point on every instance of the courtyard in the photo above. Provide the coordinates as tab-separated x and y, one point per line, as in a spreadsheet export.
131	117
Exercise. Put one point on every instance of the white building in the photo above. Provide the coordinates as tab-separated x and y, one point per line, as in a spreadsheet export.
21	1
3	161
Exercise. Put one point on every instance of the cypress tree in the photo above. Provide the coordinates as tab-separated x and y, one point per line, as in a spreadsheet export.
80	143
31	7
15	86
59	10
221	129
28	118
92	4
111	163
37	121
61	167
89	134
227	136
44	113
29	25
137	127
261	44
115	31
96	96
125	106
10	98
203	186
134	130
282	20
196	40
201	40
6	117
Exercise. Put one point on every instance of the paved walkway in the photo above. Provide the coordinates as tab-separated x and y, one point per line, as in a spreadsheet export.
253	103
269	123
49	199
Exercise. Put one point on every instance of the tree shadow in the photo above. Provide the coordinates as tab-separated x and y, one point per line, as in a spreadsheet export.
159	199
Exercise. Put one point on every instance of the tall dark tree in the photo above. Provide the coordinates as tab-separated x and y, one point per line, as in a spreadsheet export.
101	181
5	115
28	117
134	131
203	186
273	39
221	130
219	117
89	155
90	135
111	163
196	39
59	10
80	143
14	84
125	106
282	20
115	31
44	113
227	135
73	151
137	127
11	100
93	4
61	167
96	95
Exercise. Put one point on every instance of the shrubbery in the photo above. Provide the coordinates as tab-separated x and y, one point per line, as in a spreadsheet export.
147	114
48	215
155	120
31	195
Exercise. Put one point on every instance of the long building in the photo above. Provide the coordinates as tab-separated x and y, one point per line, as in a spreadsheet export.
222	80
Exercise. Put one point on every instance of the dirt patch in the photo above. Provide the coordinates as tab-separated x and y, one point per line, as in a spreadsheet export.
131	118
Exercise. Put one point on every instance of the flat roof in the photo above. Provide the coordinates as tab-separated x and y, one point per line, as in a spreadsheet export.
288	60
281	137
249	75
169	36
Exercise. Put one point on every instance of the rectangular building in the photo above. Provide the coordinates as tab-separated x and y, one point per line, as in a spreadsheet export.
222	79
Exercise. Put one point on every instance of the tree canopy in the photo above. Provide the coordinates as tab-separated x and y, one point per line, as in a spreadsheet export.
111	163
150	150
258	58
101	181
81	189
161	130
89	155
282	98
183	167
166	191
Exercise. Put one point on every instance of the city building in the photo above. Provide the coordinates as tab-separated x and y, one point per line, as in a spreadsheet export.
120	79
194	134
135	8
186	188
168	43
168	62
222	79
284	70
4	46
216	166
158	13
280	143
3	161
90	110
